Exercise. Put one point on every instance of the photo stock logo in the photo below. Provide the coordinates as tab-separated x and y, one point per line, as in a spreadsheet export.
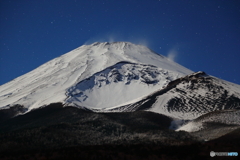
213	154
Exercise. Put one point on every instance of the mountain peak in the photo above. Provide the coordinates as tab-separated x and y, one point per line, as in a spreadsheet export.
121	45
90	71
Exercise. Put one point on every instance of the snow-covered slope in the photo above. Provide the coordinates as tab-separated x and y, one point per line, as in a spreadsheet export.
119	84
197	95
96	76
189	97
230	117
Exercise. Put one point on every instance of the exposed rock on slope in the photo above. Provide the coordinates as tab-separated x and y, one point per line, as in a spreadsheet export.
190	97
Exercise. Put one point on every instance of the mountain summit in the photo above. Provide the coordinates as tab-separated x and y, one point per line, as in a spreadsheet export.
100	75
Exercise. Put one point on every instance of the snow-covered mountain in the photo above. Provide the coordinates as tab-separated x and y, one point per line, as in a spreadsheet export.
189	97
96	76
158	103
124	77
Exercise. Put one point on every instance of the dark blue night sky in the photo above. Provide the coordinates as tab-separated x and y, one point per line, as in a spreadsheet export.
199	34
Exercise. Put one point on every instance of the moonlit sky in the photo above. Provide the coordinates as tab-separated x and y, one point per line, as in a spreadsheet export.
202	35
